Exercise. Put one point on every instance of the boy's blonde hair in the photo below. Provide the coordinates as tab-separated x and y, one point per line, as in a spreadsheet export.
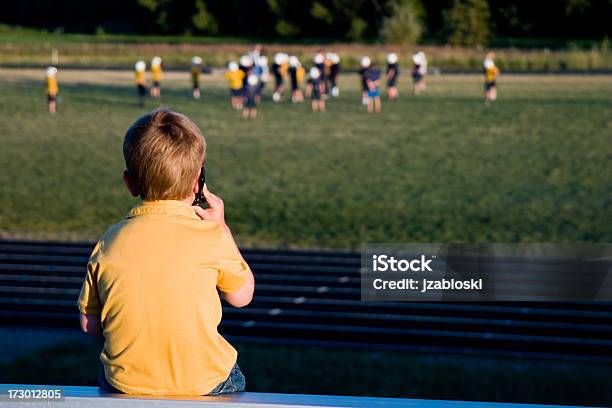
163	152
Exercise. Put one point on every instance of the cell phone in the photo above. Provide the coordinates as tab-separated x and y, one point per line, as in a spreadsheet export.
199	198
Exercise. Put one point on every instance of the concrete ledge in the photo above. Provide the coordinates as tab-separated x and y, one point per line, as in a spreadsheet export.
93	397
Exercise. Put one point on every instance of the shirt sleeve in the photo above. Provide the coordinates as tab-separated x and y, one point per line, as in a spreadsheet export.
233	270
89	299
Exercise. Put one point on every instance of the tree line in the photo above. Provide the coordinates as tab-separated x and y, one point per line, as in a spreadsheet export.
457	22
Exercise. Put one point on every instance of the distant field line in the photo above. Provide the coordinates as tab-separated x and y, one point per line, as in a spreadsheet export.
125	76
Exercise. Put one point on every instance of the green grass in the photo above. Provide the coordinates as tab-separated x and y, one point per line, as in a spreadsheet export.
533	167
311	370
28	47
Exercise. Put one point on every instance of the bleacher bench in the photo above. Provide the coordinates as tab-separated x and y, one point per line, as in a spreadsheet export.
93	397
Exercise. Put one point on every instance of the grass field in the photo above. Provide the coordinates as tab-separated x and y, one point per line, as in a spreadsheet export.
20	46
312	370
533	167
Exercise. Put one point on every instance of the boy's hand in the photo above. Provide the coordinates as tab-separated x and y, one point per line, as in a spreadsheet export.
216	212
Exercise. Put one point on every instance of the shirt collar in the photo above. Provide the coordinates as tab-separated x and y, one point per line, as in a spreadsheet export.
172	207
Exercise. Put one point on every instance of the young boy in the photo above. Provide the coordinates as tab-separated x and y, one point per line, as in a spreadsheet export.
196	71
251	91
52	89
365	63
333	60
153	280
373	82
316	90
246	66
141	82
263	74
392	74
280	66
157	75
320	64
419	70
256	53
296	75
235	78
491	73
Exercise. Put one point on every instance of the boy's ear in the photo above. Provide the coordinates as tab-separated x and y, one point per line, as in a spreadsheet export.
196	186
129	183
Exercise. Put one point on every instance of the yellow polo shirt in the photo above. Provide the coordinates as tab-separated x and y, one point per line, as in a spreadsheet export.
139	76
157	73
153	279
235	78
52	87
491	74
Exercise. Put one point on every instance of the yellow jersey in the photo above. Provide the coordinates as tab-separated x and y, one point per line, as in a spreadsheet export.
195	73
139	76
153	279
156	73
283	69
52	87
235	78
300	73
491	74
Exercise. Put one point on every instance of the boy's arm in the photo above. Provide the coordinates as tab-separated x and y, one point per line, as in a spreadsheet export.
91	325
235	296
89	300
244	295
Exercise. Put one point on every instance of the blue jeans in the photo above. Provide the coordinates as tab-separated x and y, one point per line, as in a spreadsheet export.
235	382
